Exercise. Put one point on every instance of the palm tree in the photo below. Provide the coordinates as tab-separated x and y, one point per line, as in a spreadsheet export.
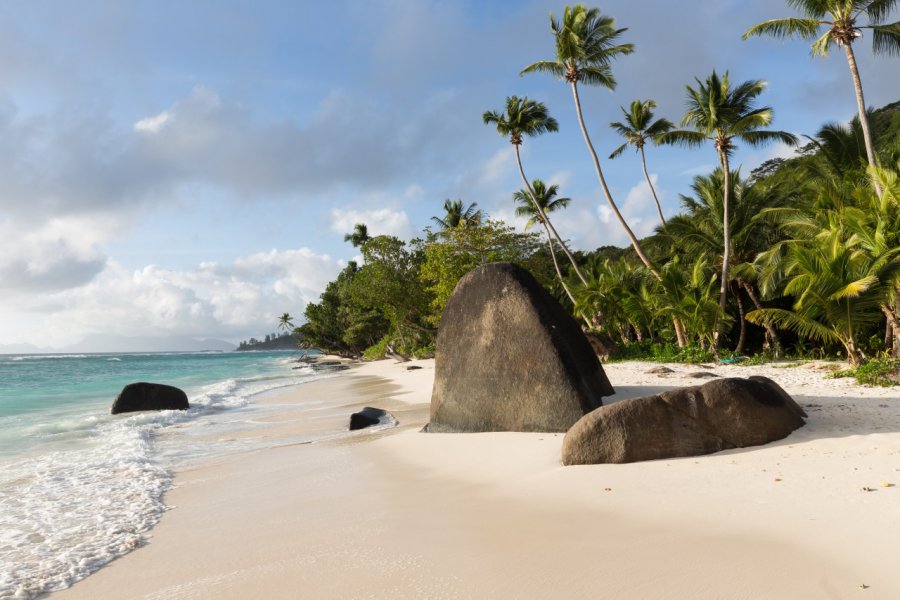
842	30
639	127
286	322
522	117
359	236
542	197
698	230
585	47
456	216
722	114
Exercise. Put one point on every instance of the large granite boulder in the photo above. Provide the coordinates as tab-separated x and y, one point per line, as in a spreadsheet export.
369	417
690	421
149	396
509	358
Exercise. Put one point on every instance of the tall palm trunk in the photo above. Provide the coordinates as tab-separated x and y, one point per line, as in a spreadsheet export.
543	216
652	191
742	338
679	329
771	334
587	140
726	244
894	327
863	117
556	264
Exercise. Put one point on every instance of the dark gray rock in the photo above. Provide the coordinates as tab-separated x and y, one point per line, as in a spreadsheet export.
370	416
509	358
690	421
149	396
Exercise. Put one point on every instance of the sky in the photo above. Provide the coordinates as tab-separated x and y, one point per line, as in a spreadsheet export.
190	168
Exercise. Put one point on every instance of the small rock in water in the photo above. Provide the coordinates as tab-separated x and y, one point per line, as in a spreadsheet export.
370	416
149	396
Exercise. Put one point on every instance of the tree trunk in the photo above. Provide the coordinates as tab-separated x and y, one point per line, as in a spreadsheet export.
652	191
742	339
679	333
893	323
863	117
726	245
543	215
556	263
587	140
771	334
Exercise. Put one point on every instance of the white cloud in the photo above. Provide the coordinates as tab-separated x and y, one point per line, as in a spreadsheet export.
153	124
237	300
382	221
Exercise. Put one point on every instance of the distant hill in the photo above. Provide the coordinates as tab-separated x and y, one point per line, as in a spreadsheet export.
285	341
121	343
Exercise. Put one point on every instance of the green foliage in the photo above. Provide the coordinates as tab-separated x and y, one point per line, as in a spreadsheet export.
377	350
662	352
884	372
457	251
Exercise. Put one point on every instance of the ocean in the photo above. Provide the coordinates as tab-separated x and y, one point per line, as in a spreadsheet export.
80	487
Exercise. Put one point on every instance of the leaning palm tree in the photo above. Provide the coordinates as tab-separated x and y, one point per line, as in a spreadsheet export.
522	117
586	44
720	113
842	30
638	128
544	198
455	215
359	236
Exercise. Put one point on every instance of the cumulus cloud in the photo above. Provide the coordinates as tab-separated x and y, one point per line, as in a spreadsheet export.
381	221
235	300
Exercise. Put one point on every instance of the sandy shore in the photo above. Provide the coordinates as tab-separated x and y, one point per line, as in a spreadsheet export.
402	514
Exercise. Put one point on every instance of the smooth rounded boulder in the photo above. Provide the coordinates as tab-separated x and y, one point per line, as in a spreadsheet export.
691	421
149	396
371	416
508	357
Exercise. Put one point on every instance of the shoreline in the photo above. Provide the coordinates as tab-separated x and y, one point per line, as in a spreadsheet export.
398	513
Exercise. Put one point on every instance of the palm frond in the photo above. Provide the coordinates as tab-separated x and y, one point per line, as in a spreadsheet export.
545	66
618	151
785	28
886	39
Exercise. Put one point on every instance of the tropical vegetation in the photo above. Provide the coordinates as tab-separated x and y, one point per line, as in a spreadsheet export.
801	256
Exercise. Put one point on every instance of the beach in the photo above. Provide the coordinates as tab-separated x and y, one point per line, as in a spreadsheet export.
396	513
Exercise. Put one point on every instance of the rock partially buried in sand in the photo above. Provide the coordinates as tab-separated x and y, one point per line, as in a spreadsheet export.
690	421
370	416
509	358
149	396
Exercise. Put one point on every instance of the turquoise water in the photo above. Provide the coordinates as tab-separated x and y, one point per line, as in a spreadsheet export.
78	486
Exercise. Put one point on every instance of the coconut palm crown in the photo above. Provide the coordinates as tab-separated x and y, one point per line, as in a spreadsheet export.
638	128
455	215
522	117
841	21
585	47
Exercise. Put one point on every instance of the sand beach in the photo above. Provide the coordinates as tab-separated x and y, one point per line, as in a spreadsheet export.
396	513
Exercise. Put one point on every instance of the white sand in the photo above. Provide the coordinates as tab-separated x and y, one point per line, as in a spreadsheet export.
402	514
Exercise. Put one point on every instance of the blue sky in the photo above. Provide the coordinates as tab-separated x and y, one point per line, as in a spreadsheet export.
191	168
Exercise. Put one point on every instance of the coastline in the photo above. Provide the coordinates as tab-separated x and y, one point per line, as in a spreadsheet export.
397	513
